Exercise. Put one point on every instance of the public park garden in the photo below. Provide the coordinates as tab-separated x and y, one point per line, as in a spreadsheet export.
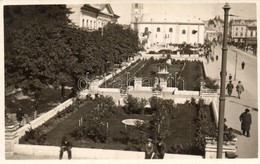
191	71
54	55
99	123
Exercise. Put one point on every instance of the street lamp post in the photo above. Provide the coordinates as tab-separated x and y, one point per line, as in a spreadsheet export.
222	87
235	75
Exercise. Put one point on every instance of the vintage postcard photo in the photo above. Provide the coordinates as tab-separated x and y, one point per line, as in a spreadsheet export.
125	80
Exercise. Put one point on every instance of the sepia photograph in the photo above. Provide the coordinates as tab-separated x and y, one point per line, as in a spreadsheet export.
106	80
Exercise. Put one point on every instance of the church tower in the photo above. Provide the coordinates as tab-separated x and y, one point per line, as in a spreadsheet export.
137	13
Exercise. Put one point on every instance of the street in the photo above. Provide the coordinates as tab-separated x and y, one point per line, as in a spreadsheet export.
247	147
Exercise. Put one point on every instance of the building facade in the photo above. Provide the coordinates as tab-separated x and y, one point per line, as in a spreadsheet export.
166	29
243	32
214	30
92	16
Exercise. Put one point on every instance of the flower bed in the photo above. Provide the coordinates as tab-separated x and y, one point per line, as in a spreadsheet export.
102	126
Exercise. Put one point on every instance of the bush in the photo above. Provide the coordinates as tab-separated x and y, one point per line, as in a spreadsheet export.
35	137
165	51
134	105
151	52
211	83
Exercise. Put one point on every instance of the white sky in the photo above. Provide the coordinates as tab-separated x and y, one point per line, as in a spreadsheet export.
205	11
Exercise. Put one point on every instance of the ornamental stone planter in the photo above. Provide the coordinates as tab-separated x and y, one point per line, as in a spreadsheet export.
11	138
211	148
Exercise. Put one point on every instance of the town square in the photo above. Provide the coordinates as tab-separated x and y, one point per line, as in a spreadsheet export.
130	80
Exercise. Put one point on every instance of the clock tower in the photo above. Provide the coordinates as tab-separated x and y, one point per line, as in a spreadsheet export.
137	13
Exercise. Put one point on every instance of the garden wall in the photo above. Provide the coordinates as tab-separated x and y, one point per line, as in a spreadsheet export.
86	153
44	117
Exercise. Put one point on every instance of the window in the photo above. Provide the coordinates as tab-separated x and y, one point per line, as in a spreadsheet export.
194	32
91	24
87	23
241	28
241	34
236	34
136	5
82	22
236	28
251	33
170	29
183	32
155	35
158	29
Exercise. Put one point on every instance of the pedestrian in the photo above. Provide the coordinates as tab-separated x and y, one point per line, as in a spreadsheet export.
246	120
149	149
160	149
243	65
239	88
229	88
230	77
65	146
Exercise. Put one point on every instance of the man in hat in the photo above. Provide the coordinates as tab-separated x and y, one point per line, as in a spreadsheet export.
239	88
246	120
149	149
229	88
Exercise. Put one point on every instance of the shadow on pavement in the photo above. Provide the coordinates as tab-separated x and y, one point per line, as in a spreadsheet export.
237	132
247	106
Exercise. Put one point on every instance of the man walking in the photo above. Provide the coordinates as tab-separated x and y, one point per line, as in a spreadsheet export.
65	146
230	77
243	65
239	88
246	120
229	88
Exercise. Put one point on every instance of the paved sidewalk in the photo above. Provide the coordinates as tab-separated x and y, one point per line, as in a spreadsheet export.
247	147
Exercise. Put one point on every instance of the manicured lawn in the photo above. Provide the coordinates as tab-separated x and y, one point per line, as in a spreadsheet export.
182	129
143	69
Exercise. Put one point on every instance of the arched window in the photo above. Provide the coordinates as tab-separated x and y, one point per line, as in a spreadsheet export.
158	29
170	29
136	5
183	31
87	23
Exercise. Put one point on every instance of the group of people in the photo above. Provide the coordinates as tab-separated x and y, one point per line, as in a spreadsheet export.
239	86
155	149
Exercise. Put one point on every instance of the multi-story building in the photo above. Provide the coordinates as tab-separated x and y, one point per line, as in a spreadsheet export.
243	32
166	29
92	16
